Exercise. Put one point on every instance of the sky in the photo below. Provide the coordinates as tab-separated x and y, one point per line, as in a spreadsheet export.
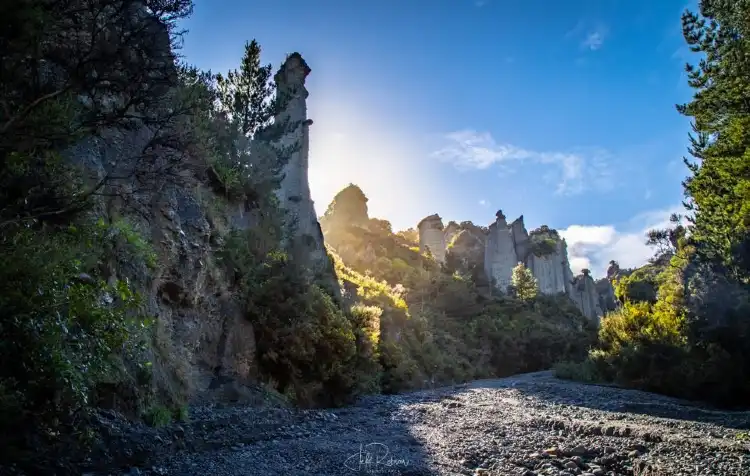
563	112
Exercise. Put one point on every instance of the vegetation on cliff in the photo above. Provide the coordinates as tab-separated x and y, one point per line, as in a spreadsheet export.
438	325
75	333
684	328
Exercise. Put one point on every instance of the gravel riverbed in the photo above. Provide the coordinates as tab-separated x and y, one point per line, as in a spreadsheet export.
526	425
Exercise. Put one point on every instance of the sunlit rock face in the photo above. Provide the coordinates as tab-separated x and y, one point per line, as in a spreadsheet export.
431	237
500	253
585	295
500	247
548	260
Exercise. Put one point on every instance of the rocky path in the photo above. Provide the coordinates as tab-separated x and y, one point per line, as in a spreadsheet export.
526	425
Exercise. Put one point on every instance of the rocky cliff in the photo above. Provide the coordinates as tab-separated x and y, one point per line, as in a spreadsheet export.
204	346
501	246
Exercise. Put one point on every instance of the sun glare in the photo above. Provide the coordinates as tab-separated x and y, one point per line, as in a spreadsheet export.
348	145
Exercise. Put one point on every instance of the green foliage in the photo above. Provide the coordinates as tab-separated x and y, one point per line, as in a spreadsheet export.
182	413
640	285
308	347
437	326
719	189
585	371
540	245
524	283
62	326
244	95
158	416
233	116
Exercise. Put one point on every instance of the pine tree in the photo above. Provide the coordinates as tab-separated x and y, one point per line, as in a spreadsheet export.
524	283
245	93
718	192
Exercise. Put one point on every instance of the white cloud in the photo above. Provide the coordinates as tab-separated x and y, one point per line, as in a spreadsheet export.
594	246
594	40
483	202
469	149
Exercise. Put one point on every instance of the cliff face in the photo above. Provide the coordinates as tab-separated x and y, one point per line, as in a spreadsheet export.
500	254
502	246
550	266
203	345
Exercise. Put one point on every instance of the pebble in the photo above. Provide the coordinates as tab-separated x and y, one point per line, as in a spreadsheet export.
540	426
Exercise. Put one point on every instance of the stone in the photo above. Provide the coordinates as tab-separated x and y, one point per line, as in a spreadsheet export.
496	250
579	450
431	237
554	451
304	235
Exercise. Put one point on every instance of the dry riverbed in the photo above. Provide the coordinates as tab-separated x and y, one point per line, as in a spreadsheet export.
526	425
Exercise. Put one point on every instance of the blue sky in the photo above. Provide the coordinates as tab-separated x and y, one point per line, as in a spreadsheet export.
560	111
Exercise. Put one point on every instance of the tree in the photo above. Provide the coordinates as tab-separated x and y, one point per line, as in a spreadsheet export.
244	95
75	70
524	283
667	240
718	192
244	161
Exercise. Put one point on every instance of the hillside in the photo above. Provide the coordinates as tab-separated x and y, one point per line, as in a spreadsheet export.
441	325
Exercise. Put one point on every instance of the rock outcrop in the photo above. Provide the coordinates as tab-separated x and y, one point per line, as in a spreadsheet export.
348	208
585	294
203	343
432	237
501	256
302	230
548	261
500	247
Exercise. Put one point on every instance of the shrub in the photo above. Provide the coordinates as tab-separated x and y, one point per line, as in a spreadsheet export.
63	326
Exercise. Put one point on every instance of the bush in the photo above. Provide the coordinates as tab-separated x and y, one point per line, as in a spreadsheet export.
585	371
64	327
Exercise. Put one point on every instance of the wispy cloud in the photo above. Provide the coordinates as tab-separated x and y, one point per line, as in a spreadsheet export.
590	34
573	171
483	202
593	247
594	40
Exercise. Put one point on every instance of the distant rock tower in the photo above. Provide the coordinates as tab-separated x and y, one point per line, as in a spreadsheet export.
585	295
500	253
432	237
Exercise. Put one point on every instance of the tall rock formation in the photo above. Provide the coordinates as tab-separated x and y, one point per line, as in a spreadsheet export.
431	236
499	248
548	261
303	234
348	208
585	294
500	252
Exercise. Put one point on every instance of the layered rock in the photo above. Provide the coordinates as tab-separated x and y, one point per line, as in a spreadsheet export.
548	261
